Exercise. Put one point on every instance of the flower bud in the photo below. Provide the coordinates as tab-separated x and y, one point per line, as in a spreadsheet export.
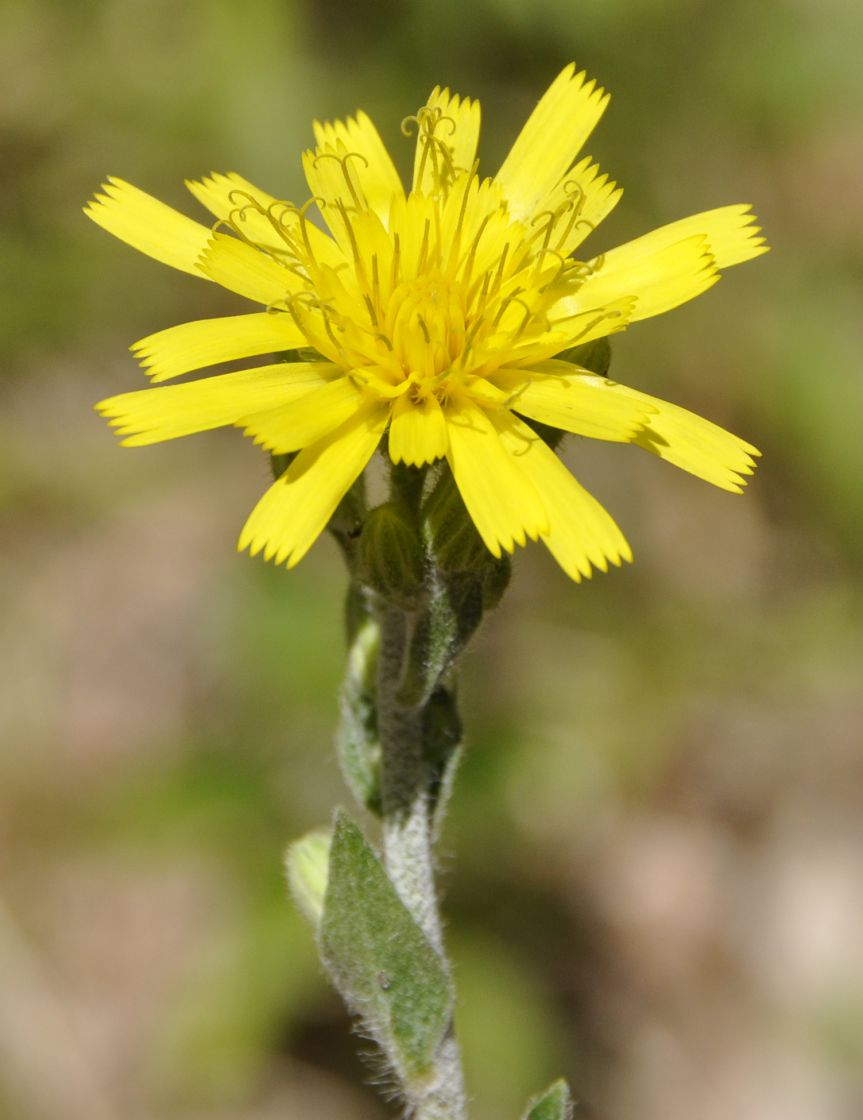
457	547
594	356
452	535
307	865
390	555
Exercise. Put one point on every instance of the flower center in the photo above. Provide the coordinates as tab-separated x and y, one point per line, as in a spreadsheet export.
425	320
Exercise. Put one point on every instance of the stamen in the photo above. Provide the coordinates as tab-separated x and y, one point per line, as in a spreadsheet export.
294	302
590	226
329	327
371	379
288	258
238	234
516	393
500	267
575	219
373	316
470	338
376	281
410	125
445	118
603	314
343	160
574	188
471	252
358	379
462	210
352	237
504	304
240	213
427	122
424	247
562	266
580	271
303	219
395	268
278	225
552	217
244	200
525	318
480	297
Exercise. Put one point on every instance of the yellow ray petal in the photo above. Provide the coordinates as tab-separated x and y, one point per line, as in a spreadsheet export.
233	198
332	177
573	325
581	533
659	280
730	233
153	415
575	400
448	133
418	432
582	199
549	142
375	172
467	234
206	342
502	501
148	225
412	221
297	423
247	271
694	444
293	512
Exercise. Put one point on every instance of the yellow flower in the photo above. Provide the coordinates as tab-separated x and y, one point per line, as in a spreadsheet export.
432	315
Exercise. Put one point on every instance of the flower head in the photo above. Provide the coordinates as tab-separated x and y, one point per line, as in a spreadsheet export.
432	316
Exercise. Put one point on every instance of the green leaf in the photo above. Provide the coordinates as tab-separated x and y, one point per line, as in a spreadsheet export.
379	958
554	1104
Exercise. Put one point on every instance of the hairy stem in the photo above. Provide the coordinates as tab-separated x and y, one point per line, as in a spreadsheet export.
406	787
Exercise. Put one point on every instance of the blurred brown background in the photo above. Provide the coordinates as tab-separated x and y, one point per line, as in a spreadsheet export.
654	863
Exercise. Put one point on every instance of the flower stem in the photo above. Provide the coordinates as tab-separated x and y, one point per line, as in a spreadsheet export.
407	781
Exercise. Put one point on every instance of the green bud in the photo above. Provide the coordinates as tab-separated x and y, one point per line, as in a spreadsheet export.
594	356
452	535
442	728
390	556
442	736
458	548
495	578
307	865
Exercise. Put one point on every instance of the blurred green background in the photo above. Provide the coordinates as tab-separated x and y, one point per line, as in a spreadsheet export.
654	862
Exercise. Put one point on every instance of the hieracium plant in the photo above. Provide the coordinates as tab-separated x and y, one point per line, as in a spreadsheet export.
458	330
